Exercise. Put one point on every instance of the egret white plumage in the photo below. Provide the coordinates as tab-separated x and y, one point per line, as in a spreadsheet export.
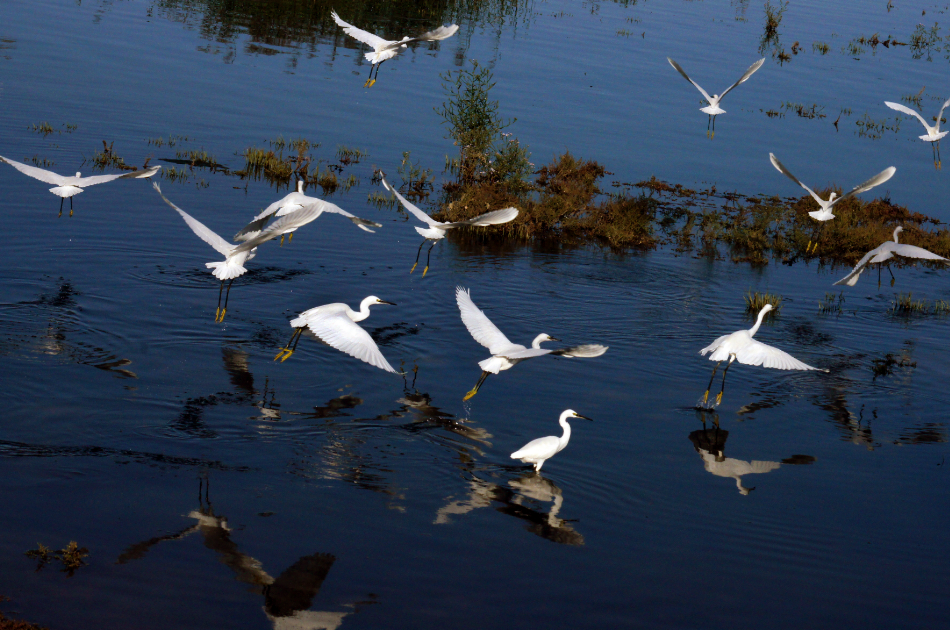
384	49
437	229
290	203
538	451
504	353
713	108
68	187
740	346
884	252
824	212
335	325
933	134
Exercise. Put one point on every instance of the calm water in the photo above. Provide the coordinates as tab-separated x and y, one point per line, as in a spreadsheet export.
216	488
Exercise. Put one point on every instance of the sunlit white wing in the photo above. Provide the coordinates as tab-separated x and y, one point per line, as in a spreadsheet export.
347	336
378	43
912	251
92	180
758	353
781	169
253	228
910	112
363	224
282	225
686	76
940	113
416	212
525	353
852	278
443	32
36	173
495	217
586	351
711	347
478	324
219	244
744	77
878	179
541	447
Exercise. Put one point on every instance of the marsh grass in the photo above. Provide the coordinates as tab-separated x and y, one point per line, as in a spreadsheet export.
755	301
915	99
171	141
925	41
874	129
43	128
199	159
346	155
42	162
821	48
803	111
941	307
383	200
831	303
773	17
71	556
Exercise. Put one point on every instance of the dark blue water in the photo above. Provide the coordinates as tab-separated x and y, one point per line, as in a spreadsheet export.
214	487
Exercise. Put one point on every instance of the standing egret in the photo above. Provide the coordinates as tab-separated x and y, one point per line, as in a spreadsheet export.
384	49
289	203
713	108
824	212
236	255
504	353
70	186
740	346
884	252
542	449
335	325
933	134
436	230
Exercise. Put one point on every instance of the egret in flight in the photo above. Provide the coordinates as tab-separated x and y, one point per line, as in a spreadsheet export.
504	353
384	49
933	134
884	252
713	108
542	449
335	325
436	230
70	186
824	212
740	346
236	255
291	202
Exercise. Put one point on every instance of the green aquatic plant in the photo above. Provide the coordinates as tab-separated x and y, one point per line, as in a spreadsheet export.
198	158
831	303
416	181
755	301
71	556
42	162
821	47
925	41
803	111
773	17
904	303
43	128
941	307
346	155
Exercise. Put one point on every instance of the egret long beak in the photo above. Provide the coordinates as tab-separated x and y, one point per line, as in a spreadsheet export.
550	338
385	302
577	415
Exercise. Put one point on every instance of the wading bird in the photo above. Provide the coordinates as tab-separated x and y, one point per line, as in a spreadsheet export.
713	108
71	186
236	255
933	134
884	252
504	353
824	212
436	230
335	325
290	203
740	346
384	49
542	449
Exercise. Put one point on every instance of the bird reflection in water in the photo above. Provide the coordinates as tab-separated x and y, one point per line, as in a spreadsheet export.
236	365
287	598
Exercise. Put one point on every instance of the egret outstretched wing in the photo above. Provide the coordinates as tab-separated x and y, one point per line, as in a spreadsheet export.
478	324
586	351
290	221
781	169
363	224
443	32
219	244
92	180
852	278
36	173
912	251
495	217
744	77
686	76
758	353
910	112
359	34
880	178
416	212
347	336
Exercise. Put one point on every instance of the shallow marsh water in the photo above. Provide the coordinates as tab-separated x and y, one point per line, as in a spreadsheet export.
135	425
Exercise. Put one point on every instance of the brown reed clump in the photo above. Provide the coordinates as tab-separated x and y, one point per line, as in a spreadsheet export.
755	301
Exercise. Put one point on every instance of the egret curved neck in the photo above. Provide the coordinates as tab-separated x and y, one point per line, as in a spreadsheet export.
566	436
758	322
897	231
363	313
536	344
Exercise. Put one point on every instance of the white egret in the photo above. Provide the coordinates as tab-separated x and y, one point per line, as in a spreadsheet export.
384	49
236	255
504	353
933	134
70	186
884	252
740	346
290	203
713	108
542	449
436	230
824	212
335	325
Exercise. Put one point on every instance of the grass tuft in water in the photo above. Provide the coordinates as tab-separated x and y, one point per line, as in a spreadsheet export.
754	302
346	156
925	41
71	556
915	99
198	158
821	47
773	17
43	128
831	303
941	307
905	304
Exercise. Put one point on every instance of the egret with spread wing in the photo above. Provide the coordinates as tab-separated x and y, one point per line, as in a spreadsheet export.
70	186
335	325
436	230
933	134
884	252
740	346
504	353
538	451
713	108
384	49
824	212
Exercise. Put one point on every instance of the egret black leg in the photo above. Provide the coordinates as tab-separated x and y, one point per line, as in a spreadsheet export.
370	77
61	200
419	251
285	352
708	387
217	312
879	275
227	294
893	279
723	388
474	390
70	206
429	253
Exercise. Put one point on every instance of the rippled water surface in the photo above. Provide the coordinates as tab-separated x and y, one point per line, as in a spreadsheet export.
214	487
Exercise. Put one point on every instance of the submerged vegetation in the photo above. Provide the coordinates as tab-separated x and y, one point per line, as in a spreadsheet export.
71	556
754	302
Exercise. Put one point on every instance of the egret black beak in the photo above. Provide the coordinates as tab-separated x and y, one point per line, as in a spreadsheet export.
577	415
550	338
385	302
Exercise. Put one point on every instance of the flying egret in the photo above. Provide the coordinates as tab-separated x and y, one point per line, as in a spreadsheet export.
291	202
740	346
933	134
335	325
504	353
713	108
236	255
71	186
384	49
824	212
436	230
884	252
542	449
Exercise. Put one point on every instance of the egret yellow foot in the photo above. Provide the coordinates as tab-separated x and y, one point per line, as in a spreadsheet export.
470	394
290	237
367	83
371	83
282	351
718	398
284	354
413	268
706	397
217	314
220	318
281	240
424	271
70	212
